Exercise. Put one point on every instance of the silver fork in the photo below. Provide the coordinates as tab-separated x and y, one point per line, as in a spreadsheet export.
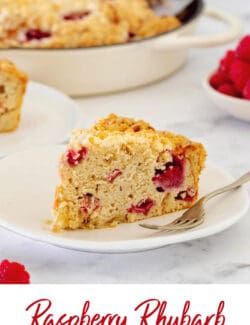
194	216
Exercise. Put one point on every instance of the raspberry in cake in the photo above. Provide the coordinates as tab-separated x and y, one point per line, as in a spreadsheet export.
12	89
121	171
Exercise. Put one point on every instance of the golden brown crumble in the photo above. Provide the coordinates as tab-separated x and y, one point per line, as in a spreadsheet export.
79	23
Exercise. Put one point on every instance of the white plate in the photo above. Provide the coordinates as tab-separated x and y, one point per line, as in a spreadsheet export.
48	117
28	181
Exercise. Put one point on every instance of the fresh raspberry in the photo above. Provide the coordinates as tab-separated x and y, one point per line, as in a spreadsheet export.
172	176
218	78
36	34
76	15
226	61
239	74
73	157
228	89
243	49
246	91
142	207
13	273
113	175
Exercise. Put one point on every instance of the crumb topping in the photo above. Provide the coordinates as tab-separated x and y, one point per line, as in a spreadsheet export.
115	130
78	23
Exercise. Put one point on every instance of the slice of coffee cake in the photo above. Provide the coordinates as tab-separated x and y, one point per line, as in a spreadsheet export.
122	170
12	88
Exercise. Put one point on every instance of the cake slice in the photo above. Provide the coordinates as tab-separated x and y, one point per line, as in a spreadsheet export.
12	88
122	170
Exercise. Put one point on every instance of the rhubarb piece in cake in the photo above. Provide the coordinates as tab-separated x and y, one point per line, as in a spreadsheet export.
12	88
122	170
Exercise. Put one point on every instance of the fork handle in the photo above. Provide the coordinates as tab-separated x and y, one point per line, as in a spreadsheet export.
242	180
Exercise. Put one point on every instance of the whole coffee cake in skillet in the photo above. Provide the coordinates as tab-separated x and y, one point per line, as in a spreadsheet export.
78	23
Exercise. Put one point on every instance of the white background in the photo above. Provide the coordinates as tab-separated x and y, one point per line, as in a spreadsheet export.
123	300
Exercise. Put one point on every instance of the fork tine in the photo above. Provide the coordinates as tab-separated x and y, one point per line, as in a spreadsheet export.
178	224
159	227
149	226
182	222
170	226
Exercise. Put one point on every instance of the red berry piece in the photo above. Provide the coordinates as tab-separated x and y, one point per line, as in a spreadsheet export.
226	61
76	15
36	34
73	157
172	176
143	206
13	273
88	204
187	195
239	74
246	91
218	78
228	89
113	175
243	49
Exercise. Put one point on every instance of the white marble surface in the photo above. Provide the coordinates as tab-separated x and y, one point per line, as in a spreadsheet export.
178	104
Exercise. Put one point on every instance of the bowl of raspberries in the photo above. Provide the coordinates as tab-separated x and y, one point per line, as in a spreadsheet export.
229	85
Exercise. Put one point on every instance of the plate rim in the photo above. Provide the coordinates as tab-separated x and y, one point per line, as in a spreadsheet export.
130	245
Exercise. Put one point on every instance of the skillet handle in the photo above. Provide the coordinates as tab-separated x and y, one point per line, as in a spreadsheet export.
179	41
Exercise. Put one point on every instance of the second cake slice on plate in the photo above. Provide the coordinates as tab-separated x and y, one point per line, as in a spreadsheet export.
122	170
13	84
